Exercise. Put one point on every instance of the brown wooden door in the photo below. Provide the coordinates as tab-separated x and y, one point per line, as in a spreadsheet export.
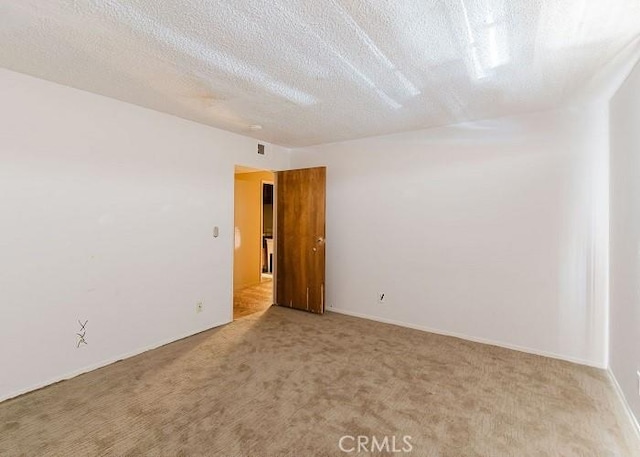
300	243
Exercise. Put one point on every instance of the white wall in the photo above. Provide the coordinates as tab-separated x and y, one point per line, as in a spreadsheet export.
495	231
625	238
107	216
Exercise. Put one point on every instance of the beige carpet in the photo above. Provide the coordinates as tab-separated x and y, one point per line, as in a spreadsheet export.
288	383
253	299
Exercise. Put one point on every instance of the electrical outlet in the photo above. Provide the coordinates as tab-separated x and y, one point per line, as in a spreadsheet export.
199	307
382	298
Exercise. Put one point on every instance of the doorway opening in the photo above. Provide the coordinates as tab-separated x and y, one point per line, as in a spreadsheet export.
267	231
253	254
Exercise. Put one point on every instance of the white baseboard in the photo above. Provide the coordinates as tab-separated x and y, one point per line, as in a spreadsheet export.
501	344
104	363
632	417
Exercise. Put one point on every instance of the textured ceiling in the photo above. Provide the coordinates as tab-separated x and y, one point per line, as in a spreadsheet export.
317	71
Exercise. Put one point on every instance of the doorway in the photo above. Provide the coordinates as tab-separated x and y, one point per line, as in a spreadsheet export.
279	240
253	257
267	231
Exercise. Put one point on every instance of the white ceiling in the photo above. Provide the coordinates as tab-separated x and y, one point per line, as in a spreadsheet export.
317	71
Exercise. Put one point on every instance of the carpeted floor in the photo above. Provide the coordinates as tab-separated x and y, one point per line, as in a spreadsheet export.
288	383
254	299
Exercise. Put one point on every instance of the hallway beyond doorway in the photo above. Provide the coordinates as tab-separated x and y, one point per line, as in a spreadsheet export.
253	299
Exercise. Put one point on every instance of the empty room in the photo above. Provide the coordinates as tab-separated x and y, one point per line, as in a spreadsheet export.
278	228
